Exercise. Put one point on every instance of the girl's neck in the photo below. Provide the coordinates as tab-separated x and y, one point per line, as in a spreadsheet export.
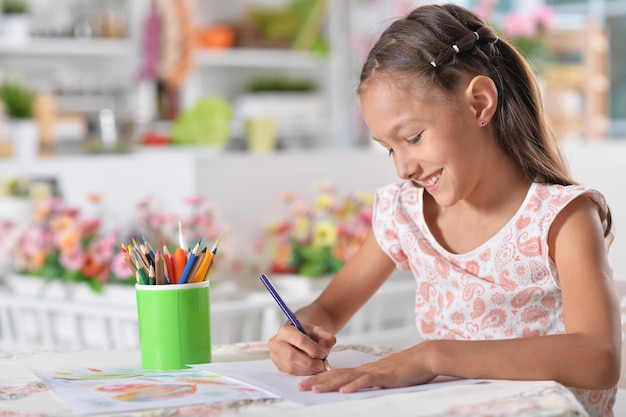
473	221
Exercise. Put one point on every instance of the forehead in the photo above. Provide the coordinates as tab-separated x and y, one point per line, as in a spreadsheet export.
400	84
397	99
391	107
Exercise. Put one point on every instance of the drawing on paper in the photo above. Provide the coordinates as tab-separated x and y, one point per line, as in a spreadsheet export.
94	390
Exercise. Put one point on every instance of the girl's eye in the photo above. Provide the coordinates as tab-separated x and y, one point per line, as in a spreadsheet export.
415	139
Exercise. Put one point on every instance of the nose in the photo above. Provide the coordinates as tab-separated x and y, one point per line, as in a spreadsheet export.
406	167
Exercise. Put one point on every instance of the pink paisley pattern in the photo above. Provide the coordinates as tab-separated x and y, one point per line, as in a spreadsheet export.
506	288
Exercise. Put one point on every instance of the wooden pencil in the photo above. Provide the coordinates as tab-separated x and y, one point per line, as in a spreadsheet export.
193	255
213	252
182	243
159	268
178	263
196	267
127	258
151	275
169	267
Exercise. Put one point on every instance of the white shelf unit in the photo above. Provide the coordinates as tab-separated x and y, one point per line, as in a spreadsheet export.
86	74
85	63
259	58
228	72
65	47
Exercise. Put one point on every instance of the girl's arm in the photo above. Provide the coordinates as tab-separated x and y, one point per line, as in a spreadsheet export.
354	284
586	356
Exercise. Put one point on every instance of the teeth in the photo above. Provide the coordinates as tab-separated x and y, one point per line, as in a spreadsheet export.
431	181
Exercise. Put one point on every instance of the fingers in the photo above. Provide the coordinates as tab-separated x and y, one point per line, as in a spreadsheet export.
343	380
294	353
323	338
397	370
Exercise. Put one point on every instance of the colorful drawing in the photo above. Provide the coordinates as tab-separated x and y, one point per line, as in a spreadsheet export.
17	393
147	392
95	390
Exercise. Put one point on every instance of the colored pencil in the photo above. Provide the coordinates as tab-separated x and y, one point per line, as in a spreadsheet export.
193	255
140	272
290	315
213	253
168	264
182	243
196	266
127	258
151	275
159	268
178	263
207	263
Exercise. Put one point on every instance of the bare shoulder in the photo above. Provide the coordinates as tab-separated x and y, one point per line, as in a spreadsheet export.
577	245
580	220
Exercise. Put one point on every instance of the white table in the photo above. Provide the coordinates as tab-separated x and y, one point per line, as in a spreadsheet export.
22	394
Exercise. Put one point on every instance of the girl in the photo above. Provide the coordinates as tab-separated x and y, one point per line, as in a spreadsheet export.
509	254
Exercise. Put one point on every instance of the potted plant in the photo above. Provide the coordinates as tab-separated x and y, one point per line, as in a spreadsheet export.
15	19
21	129
293	106
14	7
18	99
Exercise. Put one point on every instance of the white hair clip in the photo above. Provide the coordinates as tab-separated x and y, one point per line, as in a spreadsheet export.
456	48
434	64
477	35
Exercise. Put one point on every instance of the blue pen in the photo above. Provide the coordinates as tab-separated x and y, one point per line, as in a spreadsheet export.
292	317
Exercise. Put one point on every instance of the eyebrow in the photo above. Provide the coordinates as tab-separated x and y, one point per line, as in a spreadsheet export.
399	125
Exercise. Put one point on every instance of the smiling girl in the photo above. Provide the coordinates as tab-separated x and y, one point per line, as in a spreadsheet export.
509	253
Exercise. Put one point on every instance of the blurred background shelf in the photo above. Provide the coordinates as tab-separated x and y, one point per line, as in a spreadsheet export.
259	58
59	47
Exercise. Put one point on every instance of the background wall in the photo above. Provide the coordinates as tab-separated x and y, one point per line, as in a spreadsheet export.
246	188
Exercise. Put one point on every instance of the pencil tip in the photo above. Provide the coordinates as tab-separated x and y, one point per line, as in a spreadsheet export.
217	241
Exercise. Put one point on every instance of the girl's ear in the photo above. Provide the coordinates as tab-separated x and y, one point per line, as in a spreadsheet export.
482	95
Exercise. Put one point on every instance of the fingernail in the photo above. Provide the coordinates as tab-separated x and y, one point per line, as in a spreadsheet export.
319	367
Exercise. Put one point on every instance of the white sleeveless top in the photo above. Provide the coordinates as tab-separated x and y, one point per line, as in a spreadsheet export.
506	288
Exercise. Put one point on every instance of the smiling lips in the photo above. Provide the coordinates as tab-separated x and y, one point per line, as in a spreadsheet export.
430	181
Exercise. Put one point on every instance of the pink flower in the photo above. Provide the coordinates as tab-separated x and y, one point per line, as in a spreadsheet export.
119	267
518	25
484	8
544	16
194	200
73	259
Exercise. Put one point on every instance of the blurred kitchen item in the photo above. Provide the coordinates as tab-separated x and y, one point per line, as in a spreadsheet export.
108	128
206	123
45	111
216	36
261	134
108	133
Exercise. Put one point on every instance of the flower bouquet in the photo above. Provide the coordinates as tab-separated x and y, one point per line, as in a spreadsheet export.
61	242
316	238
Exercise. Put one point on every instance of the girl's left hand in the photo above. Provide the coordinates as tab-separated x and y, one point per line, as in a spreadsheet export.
401	369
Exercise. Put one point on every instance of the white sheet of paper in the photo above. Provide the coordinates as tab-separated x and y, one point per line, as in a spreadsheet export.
263	374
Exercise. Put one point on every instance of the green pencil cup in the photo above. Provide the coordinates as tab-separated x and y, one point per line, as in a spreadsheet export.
174	325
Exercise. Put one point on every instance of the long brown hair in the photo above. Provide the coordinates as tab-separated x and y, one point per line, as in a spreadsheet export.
441	45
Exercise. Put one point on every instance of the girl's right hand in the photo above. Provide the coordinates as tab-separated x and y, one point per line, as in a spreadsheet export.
294	353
